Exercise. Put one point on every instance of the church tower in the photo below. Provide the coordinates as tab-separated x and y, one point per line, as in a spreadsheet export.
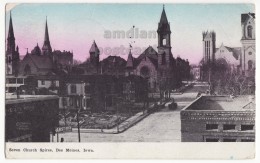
12	53
46	48
209	47
130	64
94	56
164	41
248	44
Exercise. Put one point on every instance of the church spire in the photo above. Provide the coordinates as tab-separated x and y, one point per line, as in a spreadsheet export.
11	30
163	24
10	38
46	49
130	60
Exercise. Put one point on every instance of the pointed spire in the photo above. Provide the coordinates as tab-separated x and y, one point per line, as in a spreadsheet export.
46	49
163	24
46	36
94	48
130	60
163	19
11	30
10	37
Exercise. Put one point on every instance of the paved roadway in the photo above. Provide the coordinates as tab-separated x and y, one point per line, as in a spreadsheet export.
162	126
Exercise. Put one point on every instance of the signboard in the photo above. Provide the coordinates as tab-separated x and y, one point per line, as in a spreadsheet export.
63	129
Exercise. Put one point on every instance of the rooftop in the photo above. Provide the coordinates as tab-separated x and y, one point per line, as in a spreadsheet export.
223	103
12	99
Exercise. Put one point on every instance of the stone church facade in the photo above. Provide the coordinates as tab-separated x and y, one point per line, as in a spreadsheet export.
159	68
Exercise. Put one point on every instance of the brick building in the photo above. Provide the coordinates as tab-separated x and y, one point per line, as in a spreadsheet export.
30	118
219	119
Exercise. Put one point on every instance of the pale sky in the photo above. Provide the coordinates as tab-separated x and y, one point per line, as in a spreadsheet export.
75	26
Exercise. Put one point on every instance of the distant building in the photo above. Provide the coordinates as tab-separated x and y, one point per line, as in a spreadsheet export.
240	60
30	118
112	65
219	119
101	92
39	61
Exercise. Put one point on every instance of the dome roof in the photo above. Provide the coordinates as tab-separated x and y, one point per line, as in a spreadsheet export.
36	50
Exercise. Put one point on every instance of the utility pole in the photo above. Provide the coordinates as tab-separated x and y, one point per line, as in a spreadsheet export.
78	119
117	117
78	125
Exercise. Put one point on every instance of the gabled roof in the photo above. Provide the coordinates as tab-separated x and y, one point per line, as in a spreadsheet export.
149	52
41	61
235	50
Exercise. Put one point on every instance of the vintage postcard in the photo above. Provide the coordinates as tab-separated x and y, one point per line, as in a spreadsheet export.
129	80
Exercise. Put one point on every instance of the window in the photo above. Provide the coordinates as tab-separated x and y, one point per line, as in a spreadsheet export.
20	80
73	88
164	42
247	127
250	65
12	80
211	126
9	59
229	140
212	140
249	53
249	31
42	82
229	127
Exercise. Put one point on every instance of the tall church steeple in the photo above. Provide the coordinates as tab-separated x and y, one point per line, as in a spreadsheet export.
12	53
10	38
46	48
164	40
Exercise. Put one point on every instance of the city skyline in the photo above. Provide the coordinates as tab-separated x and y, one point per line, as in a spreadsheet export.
76	32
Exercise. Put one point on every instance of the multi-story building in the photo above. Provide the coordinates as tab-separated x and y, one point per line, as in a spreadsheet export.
30	118
219	119
102	92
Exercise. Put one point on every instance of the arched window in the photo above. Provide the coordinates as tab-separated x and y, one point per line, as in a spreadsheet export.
73	88
163	59
145	72
250	65
9	59
249	31
164	42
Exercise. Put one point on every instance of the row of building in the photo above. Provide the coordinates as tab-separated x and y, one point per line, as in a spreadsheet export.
235	60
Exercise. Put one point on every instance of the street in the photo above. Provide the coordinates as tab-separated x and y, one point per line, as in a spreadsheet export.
162	126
